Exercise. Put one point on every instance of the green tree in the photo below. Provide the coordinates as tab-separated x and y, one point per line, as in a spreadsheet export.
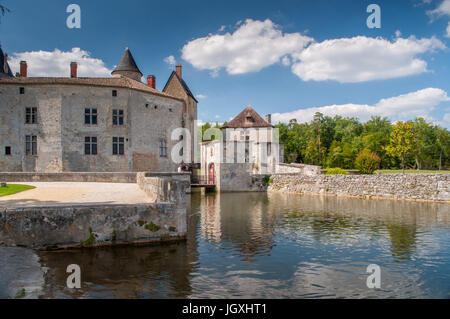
318	118
443	144
424	143
401	141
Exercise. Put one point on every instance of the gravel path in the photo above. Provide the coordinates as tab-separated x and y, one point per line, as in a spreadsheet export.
63	193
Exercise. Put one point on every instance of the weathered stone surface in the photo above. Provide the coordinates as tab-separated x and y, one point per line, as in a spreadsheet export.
61	130
95	225
394	186
99	177
294	168
59	227
165	187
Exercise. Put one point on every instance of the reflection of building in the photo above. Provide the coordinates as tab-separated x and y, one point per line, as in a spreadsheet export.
246	145
114	124
242	220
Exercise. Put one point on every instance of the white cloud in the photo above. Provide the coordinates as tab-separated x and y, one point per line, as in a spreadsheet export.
200	96
253	46
398	33
447	34
359	59
57	63
170	60
402	107
442	9
286	61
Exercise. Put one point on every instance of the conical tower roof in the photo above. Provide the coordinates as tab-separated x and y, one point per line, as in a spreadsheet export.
127	63
5	70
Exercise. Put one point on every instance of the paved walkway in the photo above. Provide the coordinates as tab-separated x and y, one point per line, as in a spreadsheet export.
63	193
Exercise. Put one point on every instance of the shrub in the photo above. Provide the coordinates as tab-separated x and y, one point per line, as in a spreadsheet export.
336	171
367	162
267	180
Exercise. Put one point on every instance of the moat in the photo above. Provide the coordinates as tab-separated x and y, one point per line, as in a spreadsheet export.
257	245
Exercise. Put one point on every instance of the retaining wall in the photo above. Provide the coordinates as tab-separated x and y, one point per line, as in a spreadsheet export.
99	177
67	226
434	187
295	168
84	226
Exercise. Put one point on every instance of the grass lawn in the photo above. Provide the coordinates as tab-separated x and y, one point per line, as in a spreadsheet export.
13	189
396	171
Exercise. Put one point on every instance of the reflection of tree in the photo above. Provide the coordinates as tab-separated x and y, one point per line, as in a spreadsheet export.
403	239
325	226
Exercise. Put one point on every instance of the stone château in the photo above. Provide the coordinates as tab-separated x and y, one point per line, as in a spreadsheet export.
75	124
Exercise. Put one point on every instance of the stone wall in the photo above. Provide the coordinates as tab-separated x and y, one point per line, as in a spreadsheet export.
61	130
165	187
62	227
231	177
434	187
310	170
97	225
104	177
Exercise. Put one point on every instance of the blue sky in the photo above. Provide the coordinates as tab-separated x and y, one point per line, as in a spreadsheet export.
289	58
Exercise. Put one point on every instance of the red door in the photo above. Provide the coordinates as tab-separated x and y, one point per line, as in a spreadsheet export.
211	174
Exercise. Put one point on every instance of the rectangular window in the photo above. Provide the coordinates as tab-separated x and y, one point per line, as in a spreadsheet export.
31	145
21	90
162	148
269	149
31	115
7	150
90	145
114	92
117	117
118	145
90	116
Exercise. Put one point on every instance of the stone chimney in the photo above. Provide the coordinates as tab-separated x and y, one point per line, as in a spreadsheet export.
23	69
73	70
178	70
151	81
269	118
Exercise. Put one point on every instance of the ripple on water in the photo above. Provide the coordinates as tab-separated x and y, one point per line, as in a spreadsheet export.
278	246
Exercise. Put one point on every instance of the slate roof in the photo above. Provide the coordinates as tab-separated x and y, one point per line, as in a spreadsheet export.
241	121
4	73
127	63
183	84
119	82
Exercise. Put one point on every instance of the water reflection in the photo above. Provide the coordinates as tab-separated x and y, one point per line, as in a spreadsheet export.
276	246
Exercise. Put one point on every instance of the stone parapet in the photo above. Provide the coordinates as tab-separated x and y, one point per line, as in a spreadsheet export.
433	187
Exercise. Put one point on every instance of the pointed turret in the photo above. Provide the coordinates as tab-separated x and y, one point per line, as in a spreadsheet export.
5	70
127	67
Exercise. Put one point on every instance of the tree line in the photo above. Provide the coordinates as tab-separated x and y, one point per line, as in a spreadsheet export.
337	141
